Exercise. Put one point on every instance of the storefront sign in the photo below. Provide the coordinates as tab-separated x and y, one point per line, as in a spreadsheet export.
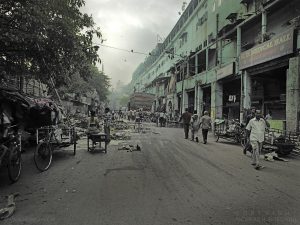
280	45
225	71
232	98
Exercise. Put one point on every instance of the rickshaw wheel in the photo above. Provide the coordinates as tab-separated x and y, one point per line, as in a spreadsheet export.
43	156
74	150
14	163
75	143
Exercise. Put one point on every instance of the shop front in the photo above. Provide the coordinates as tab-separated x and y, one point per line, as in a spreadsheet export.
206	99
231	92
231	98
191	100
268	75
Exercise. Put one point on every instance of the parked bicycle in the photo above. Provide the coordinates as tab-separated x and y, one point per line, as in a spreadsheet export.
10	152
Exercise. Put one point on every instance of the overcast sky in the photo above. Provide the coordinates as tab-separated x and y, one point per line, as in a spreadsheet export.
131	24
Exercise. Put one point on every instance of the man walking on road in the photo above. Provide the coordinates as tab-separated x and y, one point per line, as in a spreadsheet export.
205	123
107	123
195	125
257	128
249	117
186	119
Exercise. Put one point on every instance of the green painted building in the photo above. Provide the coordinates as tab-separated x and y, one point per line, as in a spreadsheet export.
225	56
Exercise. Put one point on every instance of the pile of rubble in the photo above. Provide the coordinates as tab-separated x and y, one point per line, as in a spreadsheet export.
120	125
120	130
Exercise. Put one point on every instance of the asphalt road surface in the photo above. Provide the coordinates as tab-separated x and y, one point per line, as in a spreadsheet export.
170	181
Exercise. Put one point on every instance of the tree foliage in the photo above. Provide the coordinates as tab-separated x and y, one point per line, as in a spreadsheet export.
96	80
100	82
43	38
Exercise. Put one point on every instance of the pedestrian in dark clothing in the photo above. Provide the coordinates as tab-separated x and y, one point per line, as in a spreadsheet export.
186	119
251	115
205	122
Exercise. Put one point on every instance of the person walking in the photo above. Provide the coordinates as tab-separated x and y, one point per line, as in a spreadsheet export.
269	116
195	125
93	123
247	146
107	123
205	122
186	119
257	127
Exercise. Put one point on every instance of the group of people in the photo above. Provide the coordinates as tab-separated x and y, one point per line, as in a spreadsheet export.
195	122
256	125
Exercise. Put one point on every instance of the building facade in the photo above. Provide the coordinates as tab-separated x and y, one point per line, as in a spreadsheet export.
224	56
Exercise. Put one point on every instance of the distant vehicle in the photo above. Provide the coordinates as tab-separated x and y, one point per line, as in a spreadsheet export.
139	100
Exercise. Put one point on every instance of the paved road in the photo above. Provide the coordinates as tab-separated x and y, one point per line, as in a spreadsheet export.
171	181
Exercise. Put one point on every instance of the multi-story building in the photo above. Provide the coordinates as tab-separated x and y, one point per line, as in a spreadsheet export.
225	56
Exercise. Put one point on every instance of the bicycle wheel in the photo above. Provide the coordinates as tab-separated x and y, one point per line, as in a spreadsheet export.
14	164
74	149
43	156
75	142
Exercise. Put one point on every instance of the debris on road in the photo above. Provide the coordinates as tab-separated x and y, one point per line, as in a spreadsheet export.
122	135
129	147
10	208
272	156
120	125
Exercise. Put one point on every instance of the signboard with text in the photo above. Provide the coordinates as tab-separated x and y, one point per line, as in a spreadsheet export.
281	45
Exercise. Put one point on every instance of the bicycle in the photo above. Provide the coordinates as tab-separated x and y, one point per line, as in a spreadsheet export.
10	152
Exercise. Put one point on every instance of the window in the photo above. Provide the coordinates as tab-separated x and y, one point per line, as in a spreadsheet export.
183	39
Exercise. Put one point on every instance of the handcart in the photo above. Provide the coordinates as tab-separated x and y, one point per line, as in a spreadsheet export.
49	139
230	130
95	140
280	141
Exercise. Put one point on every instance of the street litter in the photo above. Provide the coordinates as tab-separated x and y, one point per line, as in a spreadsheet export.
129	147
120	125
272	156
10	208
123	135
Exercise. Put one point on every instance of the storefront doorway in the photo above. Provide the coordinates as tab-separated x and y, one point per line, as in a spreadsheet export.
191	100
231	99
206	99
269	92
179	103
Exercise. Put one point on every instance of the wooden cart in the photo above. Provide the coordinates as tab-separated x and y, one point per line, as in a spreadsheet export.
95	140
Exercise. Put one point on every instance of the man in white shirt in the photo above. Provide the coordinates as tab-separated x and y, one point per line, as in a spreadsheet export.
107	123
257	127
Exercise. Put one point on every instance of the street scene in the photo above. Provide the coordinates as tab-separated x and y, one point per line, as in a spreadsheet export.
171	180
149	112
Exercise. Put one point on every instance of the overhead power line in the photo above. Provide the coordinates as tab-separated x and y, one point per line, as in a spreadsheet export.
122	49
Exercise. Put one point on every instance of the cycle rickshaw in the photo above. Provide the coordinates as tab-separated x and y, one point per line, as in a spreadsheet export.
50	138
231	130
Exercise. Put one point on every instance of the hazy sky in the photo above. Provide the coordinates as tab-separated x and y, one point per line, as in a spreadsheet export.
131	24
